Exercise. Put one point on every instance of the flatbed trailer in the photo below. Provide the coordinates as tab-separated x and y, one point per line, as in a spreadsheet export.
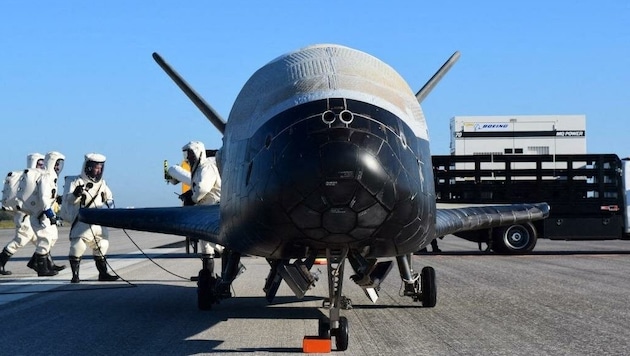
587	195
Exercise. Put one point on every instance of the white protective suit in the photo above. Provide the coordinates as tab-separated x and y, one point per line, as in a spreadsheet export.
94	194
23	231
178	174
40	204
205	183
89	190
204	175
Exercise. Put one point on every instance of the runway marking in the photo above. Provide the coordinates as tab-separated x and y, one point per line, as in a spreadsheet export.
15	287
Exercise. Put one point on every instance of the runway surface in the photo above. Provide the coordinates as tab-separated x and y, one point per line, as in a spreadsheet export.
566	298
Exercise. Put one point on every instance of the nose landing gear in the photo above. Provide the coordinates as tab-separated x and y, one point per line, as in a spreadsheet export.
335	325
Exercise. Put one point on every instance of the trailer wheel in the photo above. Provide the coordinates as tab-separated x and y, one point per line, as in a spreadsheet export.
518	238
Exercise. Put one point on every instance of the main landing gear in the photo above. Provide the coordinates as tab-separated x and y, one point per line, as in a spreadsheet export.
211	289
420	287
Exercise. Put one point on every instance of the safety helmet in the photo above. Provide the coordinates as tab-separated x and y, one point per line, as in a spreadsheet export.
194	152
93	167
54	162
35	160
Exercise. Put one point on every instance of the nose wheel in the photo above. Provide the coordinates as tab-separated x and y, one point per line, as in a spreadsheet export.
324	328
335	326
340	333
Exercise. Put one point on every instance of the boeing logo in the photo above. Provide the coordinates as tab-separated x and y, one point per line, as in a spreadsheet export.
497	126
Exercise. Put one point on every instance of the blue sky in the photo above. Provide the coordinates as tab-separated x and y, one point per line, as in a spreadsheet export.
78	76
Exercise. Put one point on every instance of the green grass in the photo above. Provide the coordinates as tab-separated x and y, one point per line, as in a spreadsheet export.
6	224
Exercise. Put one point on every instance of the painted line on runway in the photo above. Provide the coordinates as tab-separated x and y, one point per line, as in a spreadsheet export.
13	289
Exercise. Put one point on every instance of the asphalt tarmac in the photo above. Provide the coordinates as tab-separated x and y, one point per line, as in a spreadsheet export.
566	298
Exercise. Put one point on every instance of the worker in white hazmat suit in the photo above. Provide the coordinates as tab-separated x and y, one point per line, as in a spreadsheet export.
23	230
43	219
205	180
89	190
205	183
35	160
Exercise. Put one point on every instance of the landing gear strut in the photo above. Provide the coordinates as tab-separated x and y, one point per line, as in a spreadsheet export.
211	289
420	287
336	325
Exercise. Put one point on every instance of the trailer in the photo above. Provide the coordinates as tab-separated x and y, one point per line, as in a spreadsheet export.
587	195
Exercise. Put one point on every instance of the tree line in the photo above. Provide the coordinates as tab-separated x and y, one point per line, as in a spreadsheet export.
5	215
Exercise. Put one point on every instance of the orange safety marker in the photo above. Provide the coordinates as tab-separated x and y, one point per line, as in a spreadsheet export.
186	166
316	344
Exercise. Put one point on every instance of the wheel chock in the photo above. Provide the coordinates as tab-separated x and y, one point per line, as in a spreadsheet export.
316	344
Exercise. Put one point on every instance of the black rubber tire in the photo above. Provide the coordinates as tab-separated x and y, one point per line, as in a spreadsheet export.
204	290
324	328
514	239
341	334
429	287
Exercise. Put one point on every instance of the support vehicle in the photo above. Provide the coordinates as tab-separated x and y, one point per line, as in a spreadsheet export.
587	195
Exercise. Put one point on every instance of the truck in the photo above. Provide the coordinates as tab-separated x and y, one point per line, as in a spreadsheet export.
587	195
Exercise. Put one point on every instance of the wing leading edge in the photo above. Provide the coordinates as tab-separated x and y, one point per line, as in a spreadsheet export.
449	221
202	222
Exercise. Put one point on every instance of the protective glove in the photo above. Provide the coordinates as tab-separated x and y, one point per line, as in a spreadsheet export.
78	190
187	198
51	216
110	203
167	177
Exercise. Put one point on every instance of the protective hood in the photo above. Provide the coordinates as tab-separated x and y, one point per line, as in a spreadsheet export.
93	167
54	162
197	152
35	160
